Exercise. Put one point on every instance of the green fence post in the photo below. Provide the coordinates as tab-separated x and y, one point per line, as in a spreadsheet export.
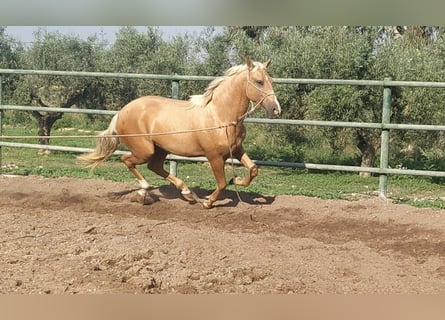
384	147
175	95
175	89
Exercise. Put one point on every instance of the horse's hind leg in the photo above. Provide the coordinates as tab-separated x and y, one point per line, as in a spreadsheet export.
131	160
156	165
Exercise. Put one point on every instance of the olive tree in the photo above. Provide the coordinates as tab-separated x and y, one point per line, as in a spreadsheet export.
54	51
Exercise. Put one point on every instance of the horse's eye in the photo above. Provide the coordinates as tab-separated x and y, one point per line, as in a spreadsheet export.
260	82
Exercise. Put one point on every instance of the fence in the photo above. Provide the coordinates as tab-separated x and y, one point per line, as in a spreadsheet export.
385	125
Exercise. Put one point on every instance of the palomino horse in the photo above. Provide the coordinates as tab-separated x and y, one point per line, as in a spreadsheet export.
209	125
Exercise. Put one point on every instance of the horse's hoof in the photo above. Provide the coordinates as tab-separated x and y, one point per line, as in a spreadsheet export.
207	204
148	200
236	180
143	199
190	196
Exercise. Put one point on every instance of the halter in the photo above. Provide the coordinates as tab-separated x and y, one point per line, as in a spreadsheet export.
265	94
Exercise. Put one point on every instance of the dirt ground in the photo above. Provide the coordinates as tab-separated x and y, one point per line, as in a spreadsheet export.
86	236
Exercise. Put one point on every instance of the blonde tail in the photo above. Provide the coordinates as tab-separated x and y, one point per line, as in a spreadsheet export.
106	144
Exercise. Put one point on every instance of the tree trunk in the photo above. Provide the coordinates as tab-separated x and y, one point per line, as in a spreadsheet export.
368	145
46	122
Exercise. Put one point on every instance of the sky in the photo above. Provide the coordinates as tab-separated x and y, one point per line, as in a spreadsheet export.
25	33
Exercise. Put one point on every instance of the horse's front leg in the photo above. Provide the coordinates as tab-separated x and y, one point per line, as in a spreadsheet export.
217	165
242	156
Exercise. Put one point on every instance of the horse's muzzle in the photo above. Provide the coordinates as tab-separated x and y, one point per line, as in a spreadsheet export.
272	107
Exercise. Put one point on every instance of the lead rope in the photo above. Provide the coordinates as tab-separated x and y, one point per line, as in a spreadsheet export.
119	135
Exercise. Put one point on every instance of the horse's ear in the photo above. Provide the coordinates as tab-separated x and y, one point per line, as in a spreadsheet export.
266	64
249	63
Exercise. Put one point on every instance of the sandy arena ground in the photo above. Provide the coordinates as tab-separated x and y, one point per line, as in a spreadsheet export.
86	236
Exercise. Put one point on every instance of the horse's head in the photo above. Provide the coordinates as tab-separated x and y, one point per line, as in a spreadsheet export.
259	88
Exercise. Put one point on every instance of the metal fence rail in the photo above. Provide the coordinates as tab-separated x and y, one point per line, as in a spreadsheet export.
385	126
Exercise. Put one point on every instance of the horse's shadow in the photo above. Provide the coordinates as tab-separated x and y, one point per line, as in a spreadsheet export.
227	198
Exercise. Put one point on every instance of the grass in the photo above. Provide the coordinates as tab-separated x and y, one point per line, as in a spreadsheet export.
416	191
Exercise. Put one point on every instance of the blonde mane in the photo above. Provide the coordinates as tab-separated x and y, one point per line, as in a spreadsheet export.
203	100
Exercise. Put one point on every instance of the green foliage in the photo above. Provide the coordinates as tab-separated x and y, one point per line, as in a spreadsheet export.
132	51
10	51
